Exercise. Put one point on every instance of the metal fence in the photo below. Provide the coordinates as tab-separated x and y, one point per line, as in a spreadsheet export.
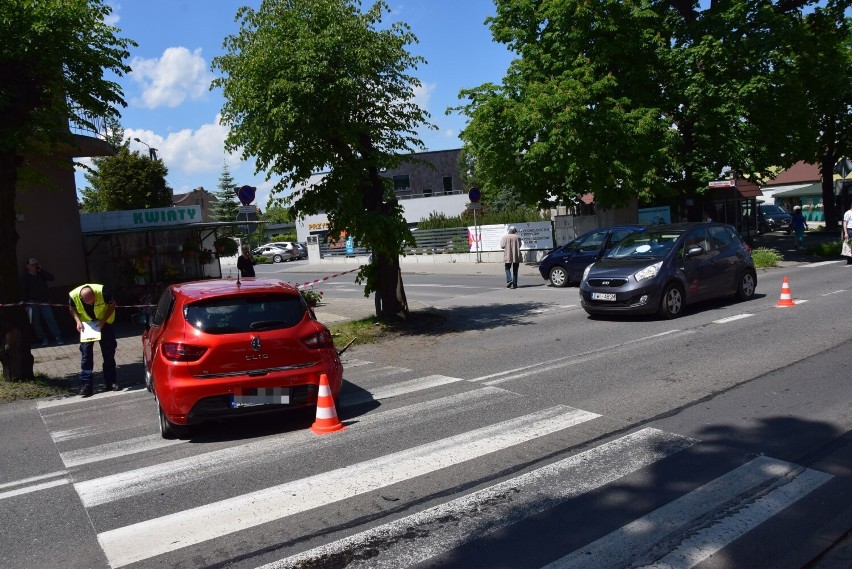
428	242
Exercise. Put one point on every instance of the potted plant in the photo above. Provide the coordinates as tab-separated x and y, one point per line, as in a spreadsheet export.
140	270
225	247
311	296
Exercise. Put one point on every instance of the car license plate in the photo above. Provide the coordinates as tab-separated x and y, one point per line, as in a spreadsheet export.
603	296
261	396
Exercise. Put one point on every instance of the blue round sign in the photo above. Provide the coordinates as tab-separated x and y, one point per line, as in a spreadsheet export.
474	195
246	194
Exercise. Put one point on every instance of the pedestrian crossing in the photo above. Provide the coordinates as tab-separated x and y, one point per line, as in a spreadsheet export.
433	469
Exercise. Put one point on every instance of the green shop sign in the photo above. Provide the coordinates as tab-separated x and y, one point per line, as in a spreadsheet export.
139	218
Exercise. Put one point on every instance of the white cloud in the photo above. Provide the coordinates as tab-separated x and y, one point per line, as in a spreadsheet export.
423	95
113	18
179	74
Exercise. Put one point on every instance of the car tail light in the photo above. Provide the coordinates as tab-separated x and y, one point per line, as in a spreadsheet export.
178	352
321	339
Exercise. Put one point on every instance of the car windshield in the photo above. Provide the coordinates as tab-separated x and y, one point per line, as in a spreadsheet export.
771	209
245	313
648	245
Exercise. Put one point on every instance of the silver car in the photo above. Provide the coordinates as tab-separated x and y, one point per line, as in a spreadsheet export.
275	252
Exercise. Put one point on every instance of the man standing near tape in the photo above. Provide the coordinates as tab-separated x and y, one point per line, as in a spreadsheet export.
37	296
93	305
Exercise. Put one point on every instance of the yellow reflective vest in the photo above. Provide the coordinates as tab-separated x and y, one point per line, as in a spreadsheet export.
101	307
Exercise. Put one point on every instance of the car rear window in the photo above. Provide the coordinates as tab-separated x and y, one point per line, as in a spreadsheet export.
245	313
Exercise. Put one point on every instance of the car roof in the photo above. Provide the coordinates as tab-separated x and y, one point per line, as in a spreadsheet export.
198	290
686	225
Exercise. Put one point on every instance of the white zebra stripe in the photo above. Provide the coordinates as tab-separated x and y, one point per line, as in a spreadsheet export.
149	538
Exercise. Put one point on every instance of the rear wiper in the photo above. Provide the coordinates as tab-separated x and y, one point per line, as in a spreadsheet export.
266	324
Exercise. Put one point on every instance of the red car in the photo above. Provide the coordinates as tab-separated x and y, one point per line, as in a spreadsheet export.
222	348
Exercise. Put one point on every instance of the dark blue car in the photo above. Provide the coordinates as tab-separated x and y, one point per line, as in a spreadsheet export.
565	265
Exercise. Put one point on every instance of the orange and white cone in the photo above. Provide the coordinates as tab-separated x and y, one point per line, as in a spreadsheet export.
786	297
326	421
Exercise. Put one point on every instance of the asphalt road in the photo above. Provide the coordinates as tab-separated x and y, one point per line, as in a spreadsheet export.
523	435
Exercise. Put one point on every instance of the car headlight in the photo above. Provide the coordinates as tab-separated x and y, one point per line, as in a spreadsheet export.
586	272
648	272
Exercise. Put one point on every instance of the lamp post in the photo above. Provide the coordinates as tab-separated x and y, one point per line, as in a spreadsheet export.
152	152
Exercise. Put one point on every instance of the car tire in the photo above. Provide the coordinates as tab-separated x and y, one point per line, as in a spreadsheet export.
149	384
747	285
169	430
277	258
558	277
671	304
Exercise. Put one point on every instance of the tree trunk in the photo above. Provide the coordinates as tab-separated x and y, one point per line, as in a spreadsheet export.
829	210
390	294
15	355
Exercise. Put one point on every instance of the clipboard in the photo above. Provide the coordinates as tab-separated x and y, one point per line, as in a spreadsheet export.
91	332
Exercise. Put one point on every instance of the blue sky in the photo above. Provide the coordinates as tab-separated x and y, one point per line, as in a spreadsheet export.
170	106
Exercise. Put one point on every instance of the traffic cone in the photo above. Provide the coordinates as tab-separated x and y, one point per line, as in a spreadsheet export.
326	421
786	298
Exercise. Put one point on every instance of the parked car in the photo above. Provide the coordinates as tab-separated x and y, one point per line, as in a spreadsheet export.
565	265
214	349
774	218
668	267
275	252
296	249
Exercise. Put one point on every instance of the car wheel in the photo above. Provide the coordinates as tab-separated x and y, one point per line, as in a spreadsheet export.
558	277
746	286
169	430
277	258
148	382
671	305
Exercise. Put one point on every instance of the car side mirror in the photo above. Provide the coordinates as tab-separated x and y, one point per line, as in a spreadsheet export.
695	251
141	319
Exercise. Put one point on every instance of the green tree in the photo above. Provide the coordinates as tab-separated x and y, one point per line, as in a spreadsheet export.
227	207
53	59
633	98
127	180
823	48
114	134
316	85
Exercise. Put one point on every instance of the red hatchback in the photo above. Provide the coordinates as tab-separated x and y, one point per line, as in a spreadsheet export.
222	348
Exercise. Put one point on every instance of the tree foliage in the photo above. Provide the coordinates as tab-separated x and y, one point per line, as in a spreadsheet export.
638	98
314	85
226	207
53	59
127	180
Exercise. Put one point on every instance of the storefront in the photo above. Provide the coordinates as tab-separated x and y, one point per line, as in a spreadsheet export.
734	202
137	253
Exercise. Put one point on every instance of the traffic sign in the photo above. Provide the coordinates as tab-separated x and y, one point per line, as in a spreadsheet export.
246	194
474	206
474	195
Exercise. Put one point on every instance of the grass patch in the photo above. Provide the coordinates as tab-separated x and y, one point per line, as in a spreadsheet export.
765	258
826	249
372	330
41	386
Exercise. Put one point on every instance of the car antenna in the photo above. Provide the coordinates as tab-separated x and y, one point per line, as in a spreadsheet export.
238	280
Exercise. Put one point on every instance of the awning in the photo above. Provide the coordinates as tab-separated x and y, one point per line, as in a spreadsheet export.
798	191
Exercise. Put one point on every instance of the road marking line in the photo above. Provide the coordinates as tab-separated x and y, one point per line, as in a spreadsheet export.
99	397
731	318
115	449
695	516
153	537
401	388
355	363
835	292
525	371
387	371
820	264
23	481
444	527
199	467
35	488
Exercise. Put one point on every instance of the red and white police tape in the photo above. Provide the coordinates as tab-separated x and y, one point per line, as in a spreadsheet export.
302	285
